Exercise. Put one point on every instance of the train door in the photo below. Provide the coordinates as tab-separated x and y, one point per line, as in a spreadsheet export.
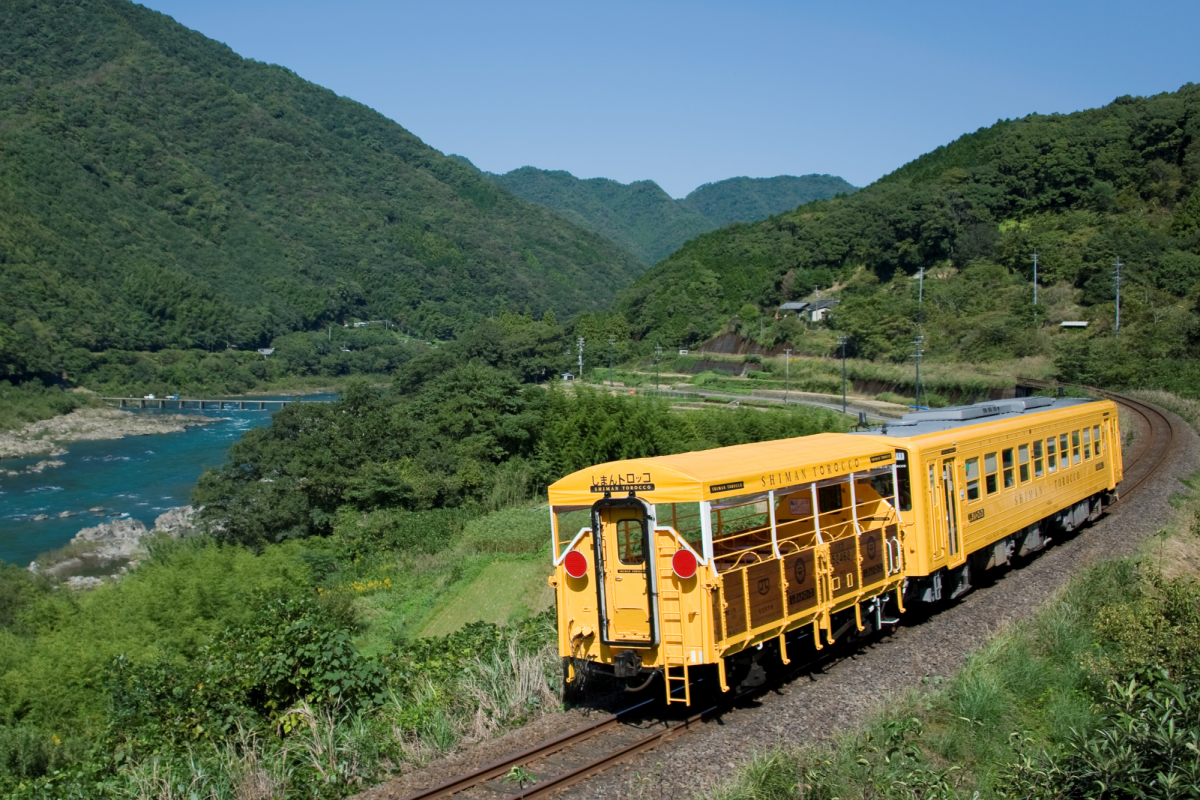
949	511
625	573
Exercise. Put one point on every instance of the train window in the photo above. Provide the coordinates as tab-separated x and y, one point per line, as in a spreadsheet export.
629	541
1007	458
1087	444
904	483
1064	451
990	478
1074	447
1051	458
829	498
1037	459
972	465
1096	439
1023	461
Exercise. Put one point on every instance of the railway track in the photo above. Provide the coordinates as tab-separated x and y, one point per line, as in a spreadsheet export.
571	758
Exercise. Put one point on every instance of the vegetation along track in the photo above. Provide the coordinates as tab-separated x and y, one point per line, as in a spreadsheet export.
575	756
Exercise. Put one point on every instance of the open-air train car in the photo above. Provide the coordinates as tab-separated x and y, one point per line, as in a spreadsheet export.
666	564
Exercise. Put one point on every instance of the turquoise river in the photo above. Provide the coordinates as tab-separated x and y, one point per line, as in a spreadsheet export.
138	477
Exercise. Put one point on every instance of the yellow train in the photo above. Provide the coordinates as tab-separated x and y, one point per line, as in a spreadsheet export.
664	565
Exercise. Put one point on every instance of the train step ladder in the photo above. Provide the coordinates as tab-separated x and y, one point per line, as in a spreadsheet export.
674	653
676	675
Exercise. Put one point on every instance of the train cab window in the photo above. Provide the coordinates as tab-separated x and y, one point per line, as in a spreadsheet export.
629	541
1064	451
1096	439
990	477
1023	462
1087	444
1074	447
1037	459
1051	458
972	466
1006	457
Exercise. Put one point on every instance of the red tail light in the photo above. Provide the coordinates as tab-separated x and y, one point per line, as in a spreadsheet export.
684	563
575	563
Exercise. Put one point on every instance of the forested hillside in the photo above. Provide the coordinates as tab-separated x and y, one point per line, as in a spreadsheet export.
648	222
1082	190
751	199
157	190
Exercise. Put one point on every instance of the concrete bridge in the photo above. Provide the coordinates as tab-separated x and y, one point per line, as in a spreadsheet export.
200	403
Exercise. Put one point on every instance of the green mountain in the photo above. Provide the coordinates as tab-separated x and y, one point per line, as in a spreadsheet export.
750	199
648	222
1082	190
157	190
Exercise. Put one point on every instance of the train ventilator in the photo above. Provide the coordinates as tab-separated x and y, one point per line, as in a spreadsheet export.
664	565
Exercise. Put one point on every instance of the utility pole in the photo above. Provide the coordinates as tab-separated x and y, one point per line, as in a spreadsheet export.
921	294
1035	277
787	375
610	360
580	358
842	344
657	356
1117	282
917	353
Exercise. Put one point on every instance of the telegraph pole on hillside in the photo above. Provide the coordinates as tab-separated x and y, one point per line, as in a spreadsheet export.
787	374
1117	282
842	344
657	356
610	359
917	353
580	358
1035	277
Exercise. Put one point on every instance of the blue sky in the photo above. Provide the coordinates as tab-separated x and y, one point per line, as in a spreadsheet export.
685	93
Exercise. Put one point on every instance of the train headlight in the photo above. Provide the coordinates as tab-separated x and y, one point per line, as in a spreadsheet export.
684	563
575	563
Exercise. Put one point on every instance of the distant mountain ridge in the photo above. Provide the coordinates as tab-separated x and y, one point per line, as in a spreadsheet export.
647	221
157	191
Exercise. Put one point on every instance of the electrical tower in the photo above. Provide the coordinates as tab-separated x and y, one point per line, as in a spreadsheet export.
580	358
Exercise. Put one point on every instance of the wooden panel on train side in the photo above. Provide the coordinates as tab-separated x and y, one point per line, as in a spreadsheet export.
870	546
718	616
735	603
843	563
801	571
766	593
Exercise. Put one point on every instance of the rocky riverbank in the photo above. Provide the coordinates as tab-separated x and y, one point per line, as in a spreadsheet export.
113	546
48	436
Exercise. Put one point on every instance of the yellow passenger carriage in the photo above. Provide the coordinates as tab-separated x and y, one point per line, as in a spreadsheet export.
667	564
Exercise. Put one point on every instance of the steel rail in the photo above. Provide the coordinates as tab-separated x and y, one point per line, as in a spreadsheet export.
547	748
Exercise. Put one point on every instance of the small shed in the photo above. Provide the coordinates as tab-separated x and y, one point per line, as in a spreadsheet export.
821	308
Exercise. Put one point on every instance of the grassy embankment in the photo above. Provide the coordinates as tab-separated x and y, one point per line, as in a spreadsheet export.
1093	697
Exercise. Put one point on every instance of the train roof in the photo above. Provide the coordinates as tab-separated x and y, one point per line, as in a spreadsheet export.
723	471
939	420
